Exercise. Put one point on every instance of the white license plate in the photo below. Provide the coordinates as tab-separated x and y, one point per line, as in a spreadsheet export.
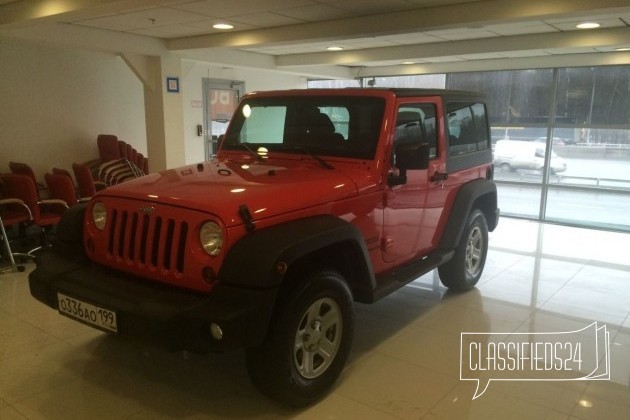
88	313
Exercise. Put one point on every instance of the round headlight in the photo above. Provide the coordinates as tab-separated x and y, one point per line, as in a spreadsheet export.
99	215
211	238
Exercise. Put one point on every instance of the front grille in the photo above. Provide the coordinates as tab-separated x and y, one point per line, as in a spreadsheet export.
147	240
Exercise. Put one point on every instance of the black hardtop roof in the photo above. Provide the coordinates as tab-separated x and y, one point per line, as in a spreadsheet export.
399	92
406	92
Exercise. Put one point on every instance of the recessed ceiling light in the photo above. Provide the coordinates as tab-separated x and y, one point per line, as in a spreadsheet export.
334	48
588	25
223	26
622	49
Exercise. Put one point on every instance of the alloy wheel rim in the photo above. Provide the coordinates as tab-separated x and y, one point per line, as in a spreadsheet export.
317	338
474	251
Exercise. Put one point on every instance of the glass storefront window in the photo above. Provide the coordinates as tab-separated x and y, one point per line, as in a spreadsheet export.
519	200
594	190
425	81
596	208
586	175
603	164
593	96
333	84
515	98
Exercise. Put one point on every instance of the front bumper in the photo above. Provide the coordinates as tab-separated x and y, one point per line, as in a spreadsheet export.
169	317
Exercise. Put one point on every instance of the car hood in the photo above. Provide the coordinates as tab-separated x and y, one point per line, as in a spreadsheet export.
221	188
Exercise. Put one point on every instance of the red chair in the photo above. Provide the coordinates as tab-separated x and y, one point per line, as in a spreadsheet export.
87	186
46	213
131	153
60	171
117	171
108	147
24	169
61	188
13	212
3	189
122	148
140	162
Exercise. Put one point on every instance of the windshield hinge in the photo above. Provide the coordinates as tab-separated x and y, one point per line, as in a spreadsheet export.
246	217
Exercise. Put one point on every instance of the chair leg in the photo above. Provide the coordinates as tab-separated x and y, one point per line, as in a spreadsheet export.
13	267
43	243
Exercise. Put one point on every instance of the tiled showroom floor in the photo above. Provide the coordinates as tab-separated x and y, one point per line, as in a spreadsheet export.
405	360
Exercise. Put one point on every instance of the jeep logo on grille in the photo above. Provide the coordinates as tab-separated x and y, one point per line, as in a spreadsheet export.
148	210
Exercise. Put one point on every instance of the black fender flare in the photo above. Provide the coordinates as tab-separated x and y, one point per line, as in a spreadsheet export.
69	233
467	195
261	258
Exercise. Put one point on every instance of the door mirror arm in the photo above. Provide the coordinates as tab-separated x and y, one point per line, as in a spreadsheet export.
398	177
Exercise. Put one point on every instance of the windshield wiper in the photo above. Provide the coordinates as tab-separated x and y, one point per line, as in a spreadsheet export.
311	154
247	146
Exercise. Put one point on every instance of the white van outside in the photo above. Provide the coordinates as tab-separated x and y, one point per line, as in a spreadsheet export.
510	155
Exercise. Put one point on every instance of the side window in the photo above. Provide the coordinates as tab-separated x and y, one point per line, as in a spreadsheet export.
467	128
416	123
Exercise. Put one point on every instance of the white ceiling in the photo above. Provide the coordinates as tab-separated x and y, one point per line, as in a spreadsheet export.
376	35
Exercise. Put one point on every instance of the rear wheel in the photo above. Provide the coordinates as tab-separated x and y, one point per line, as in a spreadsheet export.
307	343
463	271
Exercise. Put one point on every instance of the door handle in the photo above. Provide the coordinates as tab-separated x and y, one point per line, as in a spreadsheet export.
439	176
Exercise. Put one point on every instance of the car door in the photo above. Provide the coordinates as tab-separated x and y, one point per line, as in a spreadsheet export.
412	209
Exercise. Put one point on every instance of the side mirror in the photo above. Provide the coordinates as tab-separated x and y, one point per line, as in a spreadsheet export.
412	156
409	156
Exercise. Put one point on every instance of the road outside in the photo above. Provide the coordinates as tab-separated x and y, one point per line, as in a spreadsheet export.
601	207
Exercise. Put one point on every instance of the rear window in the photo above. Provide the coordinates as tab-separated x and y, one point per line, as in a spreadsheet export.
467	128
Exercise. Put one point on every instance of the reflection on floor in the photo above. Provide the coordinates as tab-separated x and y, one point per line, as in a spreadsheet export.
405	361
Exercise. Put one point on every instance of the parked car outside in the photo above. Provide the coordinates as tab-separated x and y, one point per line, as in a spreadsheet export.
557	141
512	155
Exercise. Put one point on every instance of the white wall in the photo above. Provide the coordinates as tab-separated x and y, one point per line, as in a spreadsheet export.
54	102
193	74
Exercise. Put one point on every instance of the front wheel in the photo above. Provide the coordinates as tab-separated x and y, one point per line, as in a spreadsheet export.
307	343
463	271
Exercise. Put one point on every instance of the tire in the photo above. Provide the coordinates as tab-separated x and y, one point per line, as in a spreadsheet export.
505	167
463	271
308	341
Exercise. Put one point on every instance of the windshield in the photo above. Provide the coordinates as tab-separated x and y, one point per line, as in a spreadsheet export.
344	126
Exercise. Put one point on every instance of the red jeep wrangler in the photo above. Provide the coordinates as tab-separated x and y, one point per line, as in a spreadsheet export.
317	198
